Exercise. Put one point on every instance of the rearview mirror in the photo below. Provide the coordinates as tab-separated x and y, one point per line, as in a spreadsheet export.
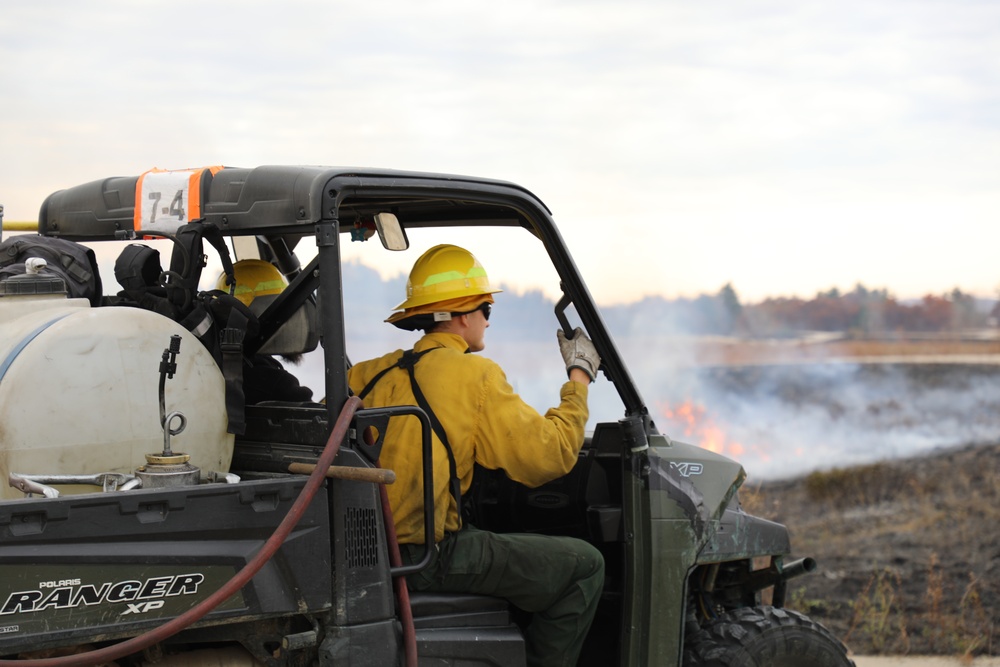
390	232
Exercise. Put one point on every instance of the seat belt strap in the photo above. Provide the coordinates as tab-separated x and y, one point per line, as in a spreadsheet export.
231	343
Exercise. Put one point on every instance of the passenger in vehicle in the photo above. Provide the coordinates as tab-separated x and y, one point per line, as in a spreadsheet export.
264	377
477	418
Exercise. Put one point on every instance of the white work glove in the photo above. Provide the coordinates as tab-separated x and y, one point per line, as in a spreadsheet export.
579	352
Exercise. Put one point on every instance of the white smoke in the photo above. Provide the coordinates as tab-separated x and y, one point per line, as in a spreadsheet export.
792	419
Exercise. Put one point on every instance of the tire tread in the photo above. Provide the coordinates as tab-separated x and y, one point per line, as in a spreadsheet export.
760	636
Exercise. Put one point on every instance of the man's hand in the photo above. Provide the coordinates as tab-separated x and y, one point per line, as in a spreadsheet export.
579	352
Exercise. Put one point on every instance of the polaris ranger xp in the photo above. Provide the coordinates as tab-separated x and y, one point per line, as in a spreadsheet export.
153	517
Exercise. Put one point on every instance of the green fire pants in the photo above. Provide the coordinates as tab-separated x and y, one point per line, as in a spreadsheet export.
557	579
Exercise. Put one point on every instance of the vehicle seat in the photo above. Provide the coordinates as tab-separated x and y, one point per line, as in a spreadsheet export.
438	610
465	629
298	335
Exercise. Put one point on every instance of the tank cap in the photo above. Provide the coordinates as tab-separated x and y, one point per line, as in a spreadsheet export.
35	281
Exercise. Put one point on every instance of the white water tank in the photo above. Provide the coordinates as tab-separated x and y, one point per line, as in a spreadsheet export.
79	389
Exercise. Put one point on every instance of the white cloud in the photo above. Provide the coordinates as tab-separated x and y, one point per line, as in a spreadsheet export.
783	146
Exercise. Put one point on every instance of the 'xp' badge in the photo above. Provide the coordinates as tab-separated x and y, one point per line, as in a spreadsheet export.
687	469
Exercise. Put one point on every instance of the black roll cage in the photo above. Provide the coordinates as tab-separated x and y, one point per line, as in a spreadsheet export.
282	204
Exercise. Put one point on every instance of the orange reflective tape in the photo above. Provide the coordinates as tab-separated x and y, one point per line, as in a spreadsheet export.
194	196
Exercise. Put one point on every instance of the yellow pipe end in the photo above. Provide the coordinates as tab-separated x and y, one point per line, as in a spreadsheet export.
16	226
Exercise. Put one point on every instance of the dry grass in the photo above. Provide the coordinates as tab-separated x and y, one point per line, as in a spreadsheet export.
909	551
864	485
739	352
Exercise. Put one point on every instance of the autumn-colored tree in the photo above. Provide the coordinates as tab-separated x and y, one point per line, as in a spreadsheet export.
867	311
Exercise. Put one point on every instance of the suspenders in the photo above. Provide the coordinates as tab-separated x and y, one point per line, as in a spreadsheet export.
408	361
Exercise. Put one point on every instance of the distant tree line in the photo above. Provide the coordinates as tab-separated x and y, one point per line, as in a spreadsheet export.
871	312
862	311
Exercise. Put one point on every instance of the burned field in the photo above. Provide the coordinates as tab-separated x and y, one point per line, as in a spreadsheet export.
902	519
908	550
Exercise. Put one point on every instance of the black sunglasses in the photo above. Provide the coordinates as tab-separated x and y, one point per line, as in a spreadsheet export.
487	308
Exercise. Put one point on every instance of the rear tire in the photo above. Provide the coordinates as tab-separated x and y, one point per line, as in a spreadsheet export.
764	637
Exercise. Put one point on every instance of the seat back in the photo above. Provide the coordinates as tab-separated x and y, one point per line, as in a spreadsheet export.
298	335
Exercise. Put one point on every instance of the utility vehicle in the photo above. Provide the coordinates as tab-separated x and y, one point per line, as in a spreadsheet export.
153	518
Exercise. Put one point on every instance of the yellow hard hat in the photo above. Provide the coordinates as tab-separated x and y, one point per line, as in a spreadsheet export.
443	273
254	278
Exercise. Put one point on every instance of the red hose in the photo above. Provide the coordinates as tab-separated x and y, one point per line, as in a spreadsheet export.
232	586
399	583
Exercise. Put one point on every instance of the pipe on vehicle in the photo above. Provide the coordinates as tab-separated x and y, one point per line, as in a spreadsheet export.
231	587
791	570
399	583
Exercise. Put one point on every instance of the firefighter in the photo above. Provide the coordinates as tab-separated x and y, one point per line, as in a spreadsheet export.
264	377
477	418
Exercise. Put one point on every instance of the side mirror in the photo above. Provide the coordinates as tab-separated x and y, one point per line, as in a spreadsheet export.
390	232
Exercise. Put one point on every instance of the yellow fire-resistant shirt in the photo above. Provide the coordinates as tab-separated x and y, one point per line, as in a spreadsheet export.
485	421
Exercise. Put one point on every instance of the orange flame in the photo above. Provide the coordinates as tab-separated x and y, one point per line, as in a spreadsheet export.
697	428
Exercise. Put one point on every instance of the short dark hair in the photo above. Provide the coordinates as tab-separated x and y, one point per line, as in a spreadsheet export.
427	323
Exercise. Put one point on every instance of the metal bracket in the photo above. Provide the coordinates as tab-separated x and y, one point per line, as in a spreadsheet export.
43	484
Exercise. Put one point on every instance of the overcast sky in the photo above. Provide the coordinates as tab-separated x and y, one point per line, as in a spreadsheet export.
785	146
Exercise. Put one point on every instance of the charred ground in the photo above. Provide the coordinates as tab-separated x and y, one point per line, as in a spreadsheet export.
908	550
907	543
